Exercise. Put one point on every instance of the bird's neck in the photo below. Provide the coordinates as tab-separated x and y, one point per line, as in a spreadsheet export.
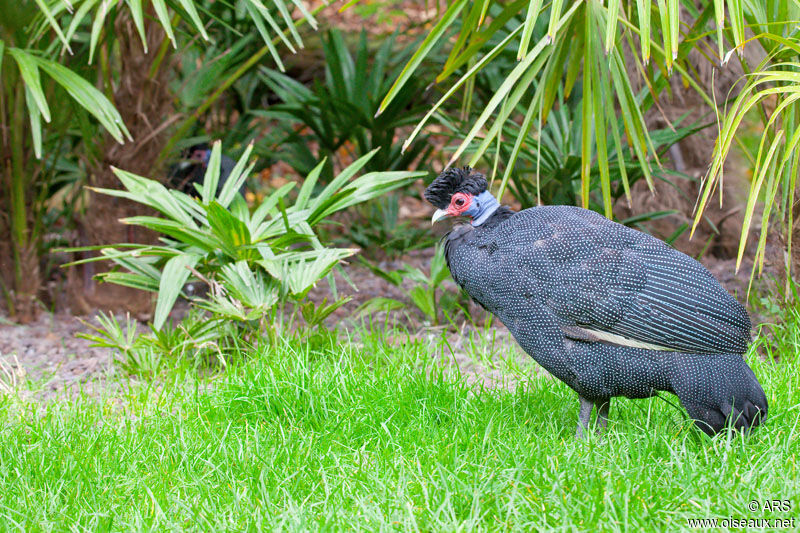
485	207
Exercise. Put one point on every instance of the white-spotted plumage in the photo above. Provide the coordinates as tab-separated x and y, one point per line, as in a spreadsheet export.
609	310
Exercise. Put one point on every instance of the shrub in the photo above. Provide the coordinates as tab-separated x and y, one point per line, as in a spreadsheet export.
340	112
255	265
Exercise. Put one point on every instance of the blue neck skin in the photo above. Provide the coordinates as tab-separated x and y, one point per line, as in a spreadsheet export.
483	206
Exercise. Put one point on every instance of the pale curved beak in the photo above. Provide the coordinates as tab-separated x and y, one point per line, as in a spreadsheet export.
438	215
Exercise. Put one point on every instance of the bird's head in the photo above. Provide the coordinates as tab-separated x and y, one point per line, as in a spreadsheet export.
200	153
458	192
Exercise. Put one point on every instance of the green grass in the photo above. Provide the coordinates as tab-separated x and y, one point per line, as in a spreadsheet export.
377	436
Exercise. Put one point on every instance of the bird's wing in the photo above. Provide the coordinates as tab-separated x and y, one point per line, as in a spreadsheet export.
606	282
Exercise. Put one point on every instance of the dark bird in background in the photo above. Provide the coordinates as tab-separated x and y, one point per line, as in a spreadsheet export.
191	170
608	310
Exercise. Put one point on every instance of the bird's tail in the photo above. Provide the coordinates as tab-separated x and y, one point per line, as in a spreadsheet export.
718	390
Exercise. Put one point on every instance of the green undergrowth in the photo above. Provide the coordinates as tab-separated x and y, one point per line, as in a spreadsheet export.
378	435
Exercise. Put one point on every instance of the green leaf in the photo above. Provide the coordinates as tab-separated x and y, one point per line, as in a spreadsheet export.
274	24
519	90
379	304
719	22
256	15
53	24
527	122
736	18
611	23
338	182
233	234
173	278
177	230
631	113
644	217
132	261
138	20
163	17
29	70
211	177
267	206
151	193
307	14
469	28
78	17
611	118
189	7
526	71
423	299
599	116
314	313
674	29
364	188
189	205
530	20
236	178
755	189
469	74
554	25
299	271
439	269
308	186
643	10
479	39
287	18
88	97
587	107
663	14
36	123
127	279
97	26
422	52
251	288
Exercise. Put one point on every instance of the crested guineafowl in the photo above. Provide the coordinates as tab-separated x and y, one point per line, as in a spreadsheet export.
192	169
608	310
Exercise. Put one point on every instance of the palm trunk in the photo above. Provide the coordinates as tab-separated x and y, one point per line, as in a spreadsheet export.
21	277
143	98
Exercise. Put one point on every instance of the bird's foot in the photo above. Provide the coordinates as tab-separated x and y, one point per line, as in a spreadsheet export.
585	417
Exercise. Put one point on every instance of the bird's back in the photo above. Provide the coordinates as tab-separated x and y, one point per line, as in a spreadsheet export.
596	277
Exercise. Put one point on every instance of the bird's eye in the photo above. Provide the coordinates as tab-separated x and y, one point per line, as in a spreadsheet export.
459	202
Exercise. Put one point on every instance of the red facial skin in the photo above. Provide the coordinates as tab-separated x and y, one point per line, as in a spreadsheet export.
459	203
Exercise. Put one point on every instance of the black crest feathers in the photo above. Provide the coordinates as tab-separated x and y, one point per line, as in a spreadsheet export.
453	180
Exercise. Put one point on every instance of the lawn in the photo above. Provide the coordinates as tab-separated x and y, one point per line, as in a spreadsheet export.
380	435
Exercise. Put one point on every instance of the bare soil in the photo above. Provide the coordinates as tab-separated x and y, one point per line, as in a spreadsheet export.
45	359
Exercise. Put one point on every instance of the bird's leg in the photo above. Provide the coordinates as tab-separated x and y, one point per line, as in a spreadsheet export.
602	415
584	417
